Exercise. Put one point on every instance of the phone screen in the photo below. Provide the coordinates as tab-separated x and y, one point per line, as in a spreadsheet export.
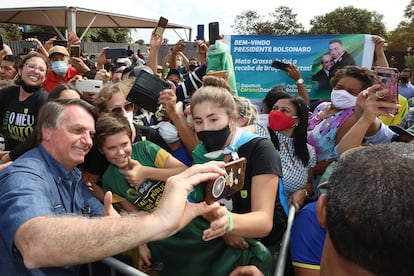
213	32
75	51
1	43
162	23
388	77
200	32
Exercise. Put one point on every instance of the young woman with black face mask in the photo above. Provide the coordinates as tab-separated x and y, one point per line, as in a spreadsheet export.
19	104
252	212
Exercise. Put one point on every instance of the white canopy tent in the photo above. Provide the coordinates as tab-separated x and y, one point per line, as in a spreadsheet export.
73	17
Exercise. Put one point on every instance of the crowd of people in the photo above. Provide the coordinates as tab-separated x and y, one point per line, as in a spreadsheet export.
86	173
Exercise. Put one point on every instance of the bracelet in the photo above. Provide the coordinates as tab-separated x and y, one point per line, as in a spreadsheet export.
306	193
230	219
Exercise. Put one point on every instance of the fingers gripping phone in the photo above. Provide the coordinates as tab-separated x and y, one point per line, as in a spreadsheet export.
226	185
162	24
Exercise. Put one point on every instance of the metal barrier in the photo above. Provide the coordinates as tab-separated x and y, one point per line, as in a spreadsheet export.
122	267
284	246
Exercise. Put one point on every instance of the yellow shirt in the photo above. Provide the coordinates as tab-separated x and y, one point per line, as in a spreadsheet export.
402	101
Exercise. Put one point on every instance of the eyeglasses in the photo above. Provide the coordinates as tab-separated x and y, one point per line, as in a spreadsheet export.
32	66
127	107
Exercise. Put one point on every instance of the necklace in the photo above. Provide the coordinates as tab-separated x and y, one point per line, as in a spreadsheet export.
290	156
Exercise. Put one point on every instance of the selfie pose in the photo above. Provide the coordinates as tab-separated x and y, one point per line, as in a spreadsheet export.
253	213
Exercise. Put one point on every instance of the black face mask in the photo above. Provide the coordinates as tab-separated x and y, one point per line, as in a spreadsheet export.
30	88
214	139
403	79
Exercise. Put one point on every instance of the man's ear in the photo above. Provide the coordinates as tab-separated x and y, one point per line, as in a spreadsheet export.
46	134
321	209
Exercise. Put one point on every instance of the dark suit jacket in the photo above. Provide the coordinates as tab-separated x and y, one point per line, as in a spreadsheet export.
323	80
346	59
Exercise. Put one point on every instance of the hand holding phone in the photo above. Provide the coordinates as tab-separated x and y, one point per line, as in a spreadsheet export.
226	185
161	25
280	65
388	78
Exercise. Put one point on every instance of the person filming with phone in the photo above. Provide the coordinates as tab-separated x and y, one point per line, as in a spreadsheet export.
63	69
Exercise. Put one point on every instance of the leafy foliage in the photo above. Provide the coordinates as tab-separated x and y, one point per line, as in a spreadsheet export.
10	32
348	20
284	23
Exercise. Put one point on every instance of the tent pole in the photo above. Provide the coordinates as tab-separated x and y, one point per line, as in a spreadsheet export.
53	25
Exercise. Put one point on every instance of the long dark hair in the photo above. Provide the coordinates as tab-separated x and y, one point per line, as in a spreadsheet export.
300	134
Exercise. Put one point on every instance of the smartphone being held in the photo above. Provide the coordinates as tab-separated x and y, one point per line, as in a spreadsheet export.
1	43
388	77
213	32
200	32
280	65
231	182
75	51
161	25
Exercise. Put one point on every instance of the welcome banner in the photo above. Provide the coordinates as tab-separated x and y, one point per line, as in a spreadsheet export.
254	55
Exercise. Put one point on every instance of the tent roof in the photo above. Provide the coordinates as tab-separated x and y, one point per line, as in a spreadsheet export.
59	16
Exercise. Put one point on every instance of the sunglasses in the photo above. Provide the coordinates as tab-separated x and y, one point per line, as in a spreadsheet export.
127	107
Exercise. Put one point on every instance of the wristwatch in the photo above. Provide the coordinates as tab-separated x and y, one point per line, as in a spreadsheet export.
299	81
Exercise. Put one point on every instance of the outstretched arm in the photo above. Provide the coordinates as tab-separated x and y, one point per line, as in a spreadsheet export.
68	240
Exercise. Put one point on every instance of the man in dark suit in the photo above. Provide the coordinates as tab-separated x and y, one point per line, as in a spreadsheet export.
339	55
322	76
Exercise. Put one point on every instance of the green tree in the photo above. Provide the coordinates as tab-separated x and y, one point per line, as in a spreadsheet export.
246	22
283	22
349	20
403	36
10	32
118	35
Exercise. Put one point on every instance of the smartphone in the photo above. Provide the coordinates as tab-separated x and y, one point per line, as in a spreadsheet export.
26	44
75	50
89	86
63	43
388	78
160	28
213	32
280	65
115	53
200	32
226	185
1	43
146	90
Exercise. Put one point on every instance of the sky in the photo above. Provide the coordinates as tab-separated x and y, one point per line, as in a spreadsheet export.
191	13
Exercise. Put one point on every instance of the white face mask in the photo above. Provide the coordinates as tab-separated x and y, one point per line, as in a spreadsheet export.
168	132
342	99
130	117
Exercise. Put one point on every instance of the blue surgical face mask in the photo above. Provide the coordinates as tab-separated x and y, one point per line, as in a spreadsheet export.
59	67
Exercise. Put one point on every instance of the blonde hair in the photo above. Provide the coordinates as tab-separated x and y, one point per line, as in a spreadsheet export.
245	108
216	91
105	95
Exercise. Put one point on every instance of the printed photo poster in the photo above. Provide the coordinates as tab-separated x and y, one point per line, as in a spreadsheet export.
254	55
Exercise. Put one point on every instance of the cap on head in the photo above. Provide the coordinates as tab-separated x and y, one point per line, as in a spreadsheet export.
58	49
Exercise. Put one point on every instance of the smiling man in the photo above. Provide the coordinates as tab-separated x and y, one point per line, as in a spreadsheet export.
45	207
